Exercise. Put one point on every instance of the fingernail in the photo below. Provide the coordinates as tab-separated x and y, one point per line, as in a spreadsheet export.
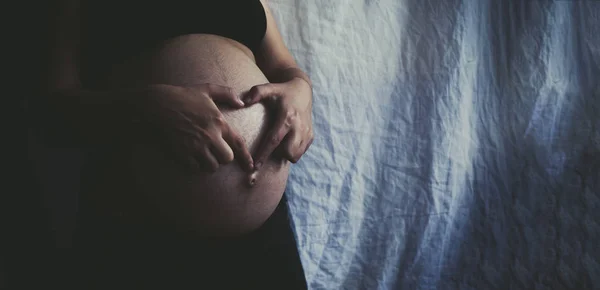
251	165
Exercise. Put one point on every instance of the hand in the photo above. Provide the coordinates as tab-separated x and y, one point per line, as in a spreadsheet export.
191	126
292	130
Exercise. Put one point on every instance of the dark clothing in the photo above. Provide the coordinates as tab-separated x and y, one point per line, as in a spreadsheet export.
113	31
118	258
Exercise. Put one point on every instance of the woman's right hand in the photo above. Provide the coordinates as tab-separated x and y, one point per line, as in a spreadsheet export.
188	123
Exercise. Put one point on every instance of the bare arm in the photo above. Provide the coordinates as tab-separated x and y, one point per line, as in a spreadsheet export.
67	113
290	91
274	58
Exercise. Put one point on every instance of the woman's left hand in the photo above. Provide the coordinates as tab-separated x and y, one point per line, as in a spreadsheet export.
292	132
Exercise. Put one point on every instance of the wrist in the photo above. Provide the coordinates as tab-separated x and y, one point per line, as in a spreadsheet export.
303	80
291	73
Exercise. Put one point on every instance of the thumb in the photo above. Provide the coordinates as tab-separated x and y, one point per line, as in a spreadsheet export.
261	93
225	95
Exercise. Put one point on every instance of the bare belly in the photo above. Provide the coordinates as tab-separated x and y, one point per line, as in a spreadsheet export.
220	203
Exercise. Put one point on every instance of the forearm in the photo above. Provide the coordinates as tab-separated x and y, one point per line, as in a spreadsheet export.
283	75
274	58
64	113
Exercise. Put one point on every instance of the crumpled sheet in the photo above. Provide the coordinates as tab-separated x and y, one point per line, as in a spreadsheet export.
457	143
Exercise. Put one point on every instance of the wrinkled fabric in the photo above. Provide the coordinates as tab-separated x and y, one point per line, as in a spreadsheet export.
457	143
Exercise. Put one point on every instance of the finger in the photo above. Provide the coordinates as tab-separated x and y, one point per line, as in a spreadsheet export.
262	92
222	151
307	141
181	158
241	152
208	160
292	148
310	141
224	95
271	141
188	161
179	152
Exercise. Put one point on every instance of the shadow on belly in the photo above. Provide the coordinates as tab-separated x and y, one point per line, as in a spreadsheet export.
220	203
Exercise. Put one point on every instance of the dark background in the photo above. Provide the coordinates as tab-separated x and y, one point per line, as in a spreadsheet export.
28	256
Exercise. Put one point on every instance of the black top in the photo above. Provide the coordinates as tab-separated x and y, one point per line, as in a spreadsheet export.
115	30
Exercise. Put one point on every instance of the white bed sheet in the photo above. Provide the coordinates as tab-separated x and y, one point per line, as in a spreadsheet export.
457	143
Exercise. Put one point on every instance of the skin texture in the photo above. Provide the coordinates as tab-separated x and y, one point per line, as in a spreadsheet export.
141	183
219	203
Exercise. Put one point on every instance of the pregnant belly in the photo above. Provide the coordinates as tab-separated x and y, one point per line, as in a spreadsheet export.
220	203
